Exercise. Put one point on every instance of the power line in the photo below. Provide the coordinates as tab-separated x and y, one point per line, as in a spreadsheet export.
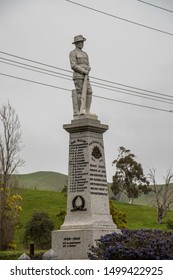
34	61
120	18
35	82
135	95
167	10
95	78
101	97
134	104
37	71
95	84
35	67
132	87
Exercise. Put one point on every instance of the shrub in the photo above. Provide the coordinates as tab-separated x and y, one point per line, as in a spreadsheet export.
10	211
169	224
10	255
38	230
12	245
61	215
134	245
14	255
119	217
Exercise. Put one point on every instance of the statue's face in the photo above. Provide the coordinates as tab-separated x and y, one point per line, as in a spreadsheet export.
79	44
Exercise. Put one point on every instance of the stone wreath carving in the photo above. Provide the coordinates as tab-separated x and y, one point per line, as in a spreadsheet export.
78	203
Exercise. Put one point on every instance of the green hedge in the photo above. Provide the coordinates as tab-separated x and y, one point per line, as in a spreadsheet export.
14	255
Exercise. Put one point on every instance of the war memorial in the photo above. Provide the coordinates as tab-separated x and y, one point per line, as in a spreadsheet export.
88	215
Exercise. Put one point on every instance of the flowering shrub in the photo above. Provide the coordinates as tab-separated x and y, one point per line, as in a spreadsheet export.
141	244
119	217
10	210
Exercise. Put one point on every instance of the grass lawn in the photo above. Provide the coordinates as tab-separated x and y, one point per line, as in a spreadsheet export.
138	216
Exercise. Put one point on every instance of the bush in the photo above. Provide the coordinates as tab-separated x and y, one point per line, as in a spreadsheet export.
119	217
14	255
10	255
169	224
61	215
38	230
9	213
134	245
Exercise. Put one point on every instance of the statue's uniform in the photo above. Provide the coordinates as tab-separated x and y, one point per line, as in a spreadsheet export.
79	63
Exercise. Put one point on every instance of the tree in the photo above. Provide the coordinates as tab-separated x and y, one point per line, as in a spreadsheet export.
163	194
10	147
129	177
65	188
38	229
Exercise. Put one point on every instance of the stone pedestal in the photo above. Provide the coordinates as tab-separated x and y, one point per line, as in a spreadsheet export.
88	216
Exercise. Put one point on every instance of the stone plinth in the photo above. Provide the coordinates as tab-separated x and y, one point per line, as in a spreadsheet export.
88	216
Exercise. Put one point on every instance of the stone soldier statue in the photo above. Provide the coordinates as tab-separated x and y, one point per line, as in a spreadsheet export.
80	65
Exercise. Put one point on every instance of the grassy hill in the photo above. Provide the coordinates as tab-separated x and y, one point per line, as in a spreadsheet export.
138	216
53	181
144	199
43	180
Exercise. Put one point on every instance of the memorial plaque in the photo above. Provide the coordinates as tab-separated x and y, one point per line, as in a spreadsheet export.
78	165
71	241
98	180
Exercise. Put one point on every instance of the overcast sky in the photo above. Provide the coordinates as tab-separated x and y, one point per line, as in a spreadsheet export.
119	51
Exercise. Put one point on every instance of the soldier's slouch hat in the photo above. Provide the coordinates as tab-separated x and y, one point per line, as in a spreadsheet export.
78	38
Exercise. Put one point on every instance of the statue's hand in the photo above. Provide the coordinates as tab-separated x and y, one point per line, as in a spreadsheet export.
86	72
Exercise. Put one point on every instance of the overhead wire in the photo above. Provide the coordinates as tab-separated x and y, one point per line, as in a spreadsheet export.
132	94
132	87
95	84
138	94
119	18
134	104
37	71
160	98
95	78
34	61
101	97
147	3
35	67
35	82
